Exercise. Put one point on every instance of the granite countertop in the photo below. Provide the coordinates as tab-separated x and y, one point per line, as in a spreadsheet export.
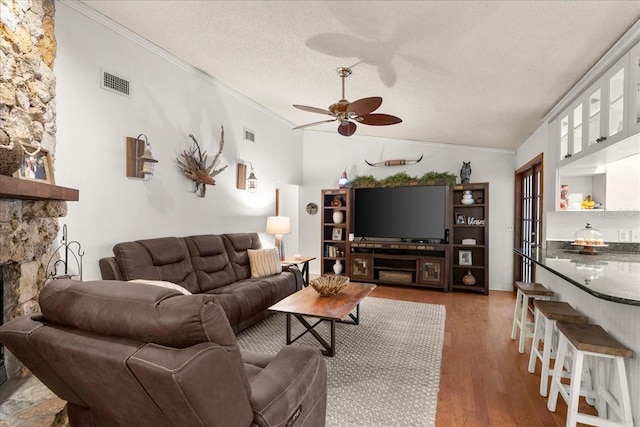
613	276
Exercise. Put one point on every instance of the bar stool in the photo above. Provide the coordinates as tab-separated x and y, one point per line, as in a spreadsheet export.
544	329
526	290
586	339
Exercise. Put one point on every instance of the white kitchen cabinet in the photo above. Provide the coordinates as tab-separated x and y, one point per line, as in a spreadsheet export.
634	91
597	118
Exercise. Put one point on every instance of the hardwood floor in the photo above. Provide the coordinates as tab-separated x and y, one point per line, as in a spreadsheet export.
484	380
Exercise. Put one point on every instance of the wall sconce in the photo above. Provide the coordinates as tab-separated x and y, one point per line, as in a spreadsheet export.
242	182
279	225
140	163
252	181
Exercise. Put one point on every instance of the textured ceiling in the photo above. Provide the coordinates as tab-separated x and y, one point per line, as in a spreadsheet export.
474	73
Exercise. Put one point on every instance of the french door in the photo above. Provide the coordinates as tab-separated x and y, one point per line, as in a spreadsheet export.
528	215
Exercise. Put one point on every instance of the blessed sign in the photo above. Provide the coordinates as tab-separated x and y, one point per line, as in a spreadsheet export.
472	221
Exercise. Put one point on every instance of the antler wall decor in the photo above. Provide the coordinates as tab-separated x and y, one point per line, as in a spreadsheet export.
194	165
398	162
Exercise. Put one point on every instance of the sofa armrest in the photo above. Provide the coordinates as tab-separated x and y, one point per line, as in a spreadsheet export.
296	273
291	390
109	269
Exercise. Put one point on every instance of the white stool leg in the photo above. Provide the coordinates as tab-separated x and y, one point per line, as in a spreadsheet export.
625	399
546	356
523	322
557	374
516	314
537	336
574	389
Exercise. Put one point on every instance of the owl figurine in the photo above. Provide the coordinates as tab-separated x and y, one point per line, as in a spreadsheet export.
465	172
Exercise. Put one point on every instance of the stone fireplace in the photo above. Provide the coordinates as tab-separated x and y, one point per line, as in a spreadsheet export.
28	230
29	209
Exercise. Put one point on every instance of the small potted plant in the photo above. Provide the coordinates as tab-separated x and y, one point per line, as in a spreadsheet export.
363	181
398	179
435	178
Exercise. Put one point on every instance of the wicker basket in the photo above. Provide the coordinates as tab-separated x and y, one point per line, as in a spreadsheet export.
329	285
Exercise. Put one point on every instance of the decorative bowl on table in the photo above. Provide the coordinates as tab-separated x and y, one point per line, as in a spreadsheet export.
329	285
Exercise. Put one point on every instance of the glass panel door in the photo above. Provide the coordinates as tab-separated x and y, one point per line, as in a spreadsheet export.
564	137
616	103
529	196
577	130
594	117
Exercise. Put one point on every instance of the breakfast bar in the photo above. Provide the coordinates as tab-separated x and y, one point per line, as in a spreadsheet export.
605	286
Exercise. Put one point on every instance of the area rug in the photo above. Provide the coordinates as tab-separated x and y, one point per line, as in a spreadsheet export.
386	371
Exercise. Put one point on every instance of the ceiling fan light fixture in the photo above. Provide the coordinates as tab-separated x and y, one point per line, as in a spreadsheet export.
349	112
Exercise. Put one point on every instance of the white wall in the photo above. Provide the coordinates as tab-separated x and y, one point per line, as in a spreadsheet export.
326	155
169	101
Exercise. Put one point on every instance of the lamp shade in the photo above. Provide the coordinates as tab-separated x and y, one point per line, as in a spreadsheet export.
278	225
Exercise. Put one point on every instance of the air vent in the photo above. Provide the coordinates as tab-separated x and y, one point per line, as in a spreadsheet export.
114	83
249	135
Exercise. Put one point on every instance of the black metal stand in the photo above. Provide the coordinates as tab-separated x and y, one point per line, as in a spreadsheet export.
77	255
329	348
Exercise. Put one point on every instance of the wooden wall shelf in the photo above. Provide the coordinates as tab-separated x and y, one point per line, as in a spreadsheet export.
25	189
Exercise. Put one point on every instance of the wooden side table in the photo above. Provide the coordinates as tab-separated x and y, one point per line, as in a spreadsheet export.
304	260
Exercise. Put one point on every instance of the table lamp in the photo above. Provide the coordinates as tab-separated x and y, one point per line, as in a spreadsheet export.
279	225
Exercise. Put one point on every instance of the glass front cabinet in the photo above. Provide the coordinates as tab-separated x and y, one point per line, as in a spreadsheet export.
598	116
634	91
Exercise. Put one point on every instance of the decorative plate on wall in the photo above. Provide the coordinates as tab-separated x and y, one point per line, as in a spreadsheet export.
312	208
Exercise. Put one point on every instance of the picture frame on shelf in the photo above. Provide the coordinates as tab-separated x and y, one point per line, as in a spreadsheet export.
460	219
465	258
36	165
336	234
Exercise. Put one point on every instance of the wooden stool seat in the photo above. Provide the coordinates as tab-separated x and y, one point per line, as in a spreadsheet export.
534	289
526	291
560	310
594	339
544	329
591	340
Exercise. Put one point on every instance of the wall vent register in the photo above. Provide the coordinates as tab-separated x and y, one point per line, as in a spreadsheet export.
115	84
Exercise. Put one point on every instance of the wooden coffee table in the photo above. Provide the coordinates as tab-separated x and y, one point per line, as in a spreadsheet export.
336	308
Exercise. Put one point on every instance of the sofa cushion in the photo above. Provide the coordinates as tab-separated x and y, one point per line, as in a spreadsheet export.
210	261
237	245
244	299
163	284
264	262
165	258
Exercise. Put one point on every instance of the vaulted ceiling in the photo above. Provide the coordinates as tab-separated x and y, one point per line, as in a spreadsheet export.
479	73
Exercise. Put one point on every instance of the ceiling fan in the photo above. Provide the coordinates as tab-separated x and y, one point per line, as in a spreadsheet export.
350	113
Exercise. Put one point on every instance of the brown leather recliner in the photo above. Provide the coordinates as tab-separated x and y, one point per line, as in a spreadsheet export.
123	356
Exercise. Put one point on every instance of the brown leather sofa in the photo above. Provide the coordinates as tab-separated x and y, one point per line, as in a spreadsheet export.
121	357
206	264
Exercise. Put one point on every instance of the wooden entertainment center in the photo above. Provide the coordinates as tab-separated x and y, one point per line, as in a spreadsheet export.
429	265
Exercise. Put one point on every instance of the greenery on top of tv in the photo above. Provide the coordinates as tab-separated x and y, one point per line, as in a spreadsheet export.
403	178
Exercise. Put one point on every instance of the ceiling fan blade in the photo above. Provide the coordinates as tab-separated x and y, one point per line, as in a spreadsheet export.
379	119
314	109
364	105
347	128
315	123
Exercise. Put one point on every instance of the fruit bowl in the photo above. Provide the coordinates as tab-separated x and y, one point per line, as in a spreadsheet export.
329	285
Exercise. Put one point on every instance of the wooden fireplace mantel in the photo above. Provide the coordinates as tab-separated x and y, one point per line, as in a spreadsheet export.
25	189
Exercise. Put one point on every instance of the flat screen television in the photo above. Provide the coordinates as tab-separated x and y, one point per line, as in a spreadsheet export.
417	213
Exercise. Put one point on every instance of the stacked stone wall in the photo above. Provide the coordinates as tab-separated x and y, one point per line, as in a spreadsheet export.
27	82
28	229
